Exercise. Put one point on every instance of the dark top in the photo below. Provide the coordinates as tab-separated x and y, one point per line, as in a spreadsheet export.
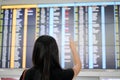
56	74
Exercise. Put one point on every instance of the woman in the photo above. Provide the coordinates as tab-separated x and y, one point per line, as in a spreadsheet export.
46	61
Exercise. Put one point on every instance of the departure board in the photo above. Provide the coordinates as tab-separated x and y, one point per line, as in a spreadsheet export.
95	27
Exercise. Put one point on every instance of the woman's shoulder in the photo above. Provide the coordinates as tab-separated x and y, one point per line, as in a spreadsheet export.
64	74
67	72
30	71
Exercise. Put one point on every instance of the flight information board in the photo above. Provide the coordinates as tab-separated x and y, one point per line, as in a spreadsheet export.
95	27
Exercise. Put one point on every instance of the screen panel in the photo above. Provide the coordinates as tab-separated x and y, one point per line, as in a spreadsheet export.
95	27
109	78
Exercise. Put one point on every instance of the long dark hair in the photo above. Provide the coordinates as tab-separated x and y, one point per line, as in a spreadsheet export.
45	55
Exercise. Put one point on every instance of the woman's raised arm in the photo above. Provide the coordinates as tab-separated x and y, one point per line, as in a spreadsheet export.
77	62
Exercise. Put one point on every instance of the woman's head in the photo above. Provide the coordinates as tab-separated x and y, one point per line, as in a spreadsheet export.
45	53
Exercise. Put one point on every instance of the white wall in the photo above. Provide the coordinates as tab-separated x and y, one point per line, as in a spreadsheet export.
83	75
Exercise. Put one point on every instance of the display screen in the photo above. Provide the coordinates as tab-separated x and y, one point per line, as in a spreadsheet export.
9	79
110	79
95	27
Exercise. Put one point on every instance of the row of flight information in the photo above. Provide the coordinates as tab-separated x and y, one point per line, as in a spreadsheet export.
95	27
